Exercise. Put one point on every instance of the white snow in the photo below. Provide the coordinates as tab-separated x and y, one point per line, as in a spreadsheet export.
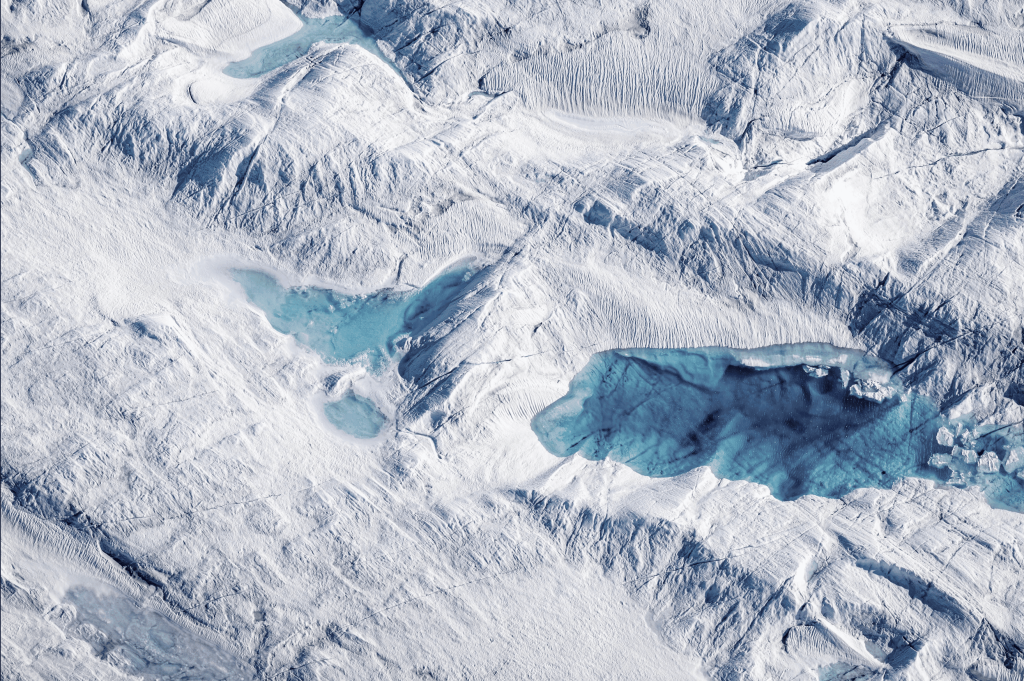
988	463
629	175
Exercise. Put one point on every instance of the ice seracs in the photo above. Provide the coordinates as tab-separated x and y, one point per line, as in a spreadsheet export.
872	390
1014	460
988	463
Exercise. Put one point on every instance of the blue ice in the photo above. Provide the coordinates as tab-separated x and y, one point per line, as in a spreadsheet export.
328	30
355	415
788	417
344	328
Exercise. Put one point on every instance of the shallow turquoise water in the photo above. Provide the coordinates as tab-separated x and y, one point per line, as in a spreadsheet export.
798	431
329	30
355	415
345	328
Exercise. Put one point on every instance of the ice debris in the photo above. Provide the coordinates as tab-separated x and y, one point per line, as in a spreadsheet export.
872	390
1014	460
988	463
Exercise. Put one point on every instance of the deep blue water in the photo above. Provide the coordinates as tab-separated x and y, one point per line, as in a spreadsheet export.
355	415
344	328
665	412
277	54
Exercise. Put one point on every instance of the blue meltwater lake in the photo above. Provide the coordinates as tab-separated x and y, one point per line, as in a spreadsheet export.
329	30
345	329
357	416
802	419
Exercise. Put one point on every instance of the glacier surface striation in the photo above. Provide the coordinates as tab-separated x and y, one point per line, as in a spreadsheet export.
221	217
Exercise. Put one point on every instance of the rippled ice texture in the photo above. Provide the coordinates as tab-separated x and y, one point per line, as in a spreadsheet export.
277	54
766	417
355	415
344	328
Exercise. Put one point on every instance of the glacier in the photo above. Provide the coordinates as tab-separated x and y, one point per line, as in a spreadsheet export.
447	219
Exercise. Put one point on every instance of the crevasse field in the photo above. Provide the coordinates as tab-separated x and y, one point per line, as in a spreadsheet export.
535	339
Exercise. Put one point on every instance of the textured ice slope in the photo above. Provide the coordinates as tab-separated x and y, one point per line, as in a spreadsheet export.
630	175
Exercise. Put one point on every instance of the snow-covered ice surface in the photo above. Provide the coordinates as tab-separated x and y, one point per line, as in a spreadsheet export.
610	180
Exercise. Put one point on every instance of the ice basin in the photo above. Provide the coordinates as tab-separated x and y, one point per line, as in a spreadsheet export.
800	419
355	415
328	30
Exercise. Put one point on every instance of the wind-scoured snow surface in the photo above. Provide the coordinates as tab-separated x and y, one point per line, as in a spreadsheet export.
178	500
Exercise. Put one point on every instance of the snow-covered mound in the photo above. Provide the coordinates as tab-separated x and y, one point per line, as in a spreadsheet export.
283	289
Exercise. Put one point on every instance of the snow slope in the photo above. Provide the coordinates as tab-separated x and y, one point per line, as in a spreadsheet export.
176	504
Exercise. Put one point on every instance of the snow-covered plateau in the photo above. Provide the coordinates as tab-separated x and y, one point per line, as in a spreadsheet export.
514	339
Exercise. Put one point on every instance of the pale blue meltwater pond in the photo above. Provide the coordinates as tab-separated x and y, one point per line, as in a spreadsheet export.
329	30
355	415
795	428
352	329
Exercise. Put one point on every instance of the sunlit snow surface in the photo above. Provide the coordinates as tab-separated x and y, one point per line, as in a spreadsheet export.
277	54
767	417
